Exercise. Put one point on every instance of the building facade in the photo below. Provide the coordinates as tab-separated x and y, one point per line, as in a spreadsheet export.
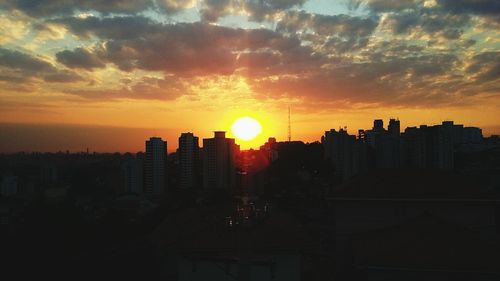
189	157
155	164
219	158
343	152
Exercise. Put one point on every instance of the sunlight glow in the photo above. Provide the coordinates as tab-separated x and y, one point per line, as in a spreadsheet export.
246	128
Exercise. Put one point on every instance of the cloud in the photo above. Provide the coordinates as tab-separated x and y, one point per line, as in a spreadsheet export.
415	80
47	8
428	21
62	77
185	49
256	10
480	7
339	63
339	33
485	67
125	27
404	52
341	25
147	88
261	9
212	10
80	58
174	6
13	26
21	61
16	67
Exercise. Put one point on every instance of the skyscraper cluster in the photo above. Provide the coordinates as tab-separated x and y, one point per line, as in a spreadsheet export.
213	166
430	147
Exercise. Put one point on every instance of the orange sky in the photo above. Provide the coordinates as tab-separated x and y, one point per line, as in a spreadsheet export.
77	74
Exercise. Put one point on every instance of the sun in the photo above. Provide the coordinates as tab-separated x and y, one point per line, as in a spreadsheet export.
246	128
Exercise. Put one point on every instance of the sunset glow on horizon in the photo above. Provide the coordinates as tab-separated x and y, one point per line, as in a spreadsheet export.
78	74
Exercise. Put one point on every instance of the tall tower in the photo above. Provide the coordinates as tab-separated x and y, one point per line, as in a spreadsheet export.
289	127
394	127
188	160
155	164
219	157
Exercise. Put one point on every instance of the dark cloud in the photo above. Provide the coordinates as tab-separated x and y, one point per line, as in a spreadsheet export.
262	9
481	7
385	5
278	63
485	67
259	60
21	61
62	77
340	25
410	81
338	33
148	88
257	10
321	58
446	18
174	6
185	49
41	8
80	58
18	67
127	27
430	21
212	10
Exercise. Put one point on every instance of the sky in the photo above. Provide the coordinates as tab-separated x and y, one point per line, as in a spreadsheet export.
107	74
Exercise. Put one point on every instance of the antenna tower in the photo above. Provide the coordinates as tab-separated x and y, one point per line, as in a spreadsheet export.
289	126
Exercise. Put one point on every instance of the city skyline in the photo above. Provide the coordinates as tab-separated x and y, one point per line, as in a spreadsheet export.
157	67
173	145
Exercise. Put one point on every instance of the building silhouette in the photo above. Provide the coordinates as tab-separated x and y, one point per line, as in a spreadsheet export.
189	157
133	175
431	146
270	149
383	145
343	152
219	157
394	128
155	163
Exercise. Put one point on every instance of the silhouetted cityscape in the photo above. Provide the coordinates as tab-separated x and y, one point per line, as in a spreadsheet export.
385	204
250	140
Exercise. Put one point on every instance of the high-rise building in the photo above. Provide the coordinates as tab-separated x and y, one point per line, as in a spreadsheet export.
429	146
155	165
270	148
383	145
394	128
343	152
133	175
219	157
413	148
443	147
472	135
189	157
378	125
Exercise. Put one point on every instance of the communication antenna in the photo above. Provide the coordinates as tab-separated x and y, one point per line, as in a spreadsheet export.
289	126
